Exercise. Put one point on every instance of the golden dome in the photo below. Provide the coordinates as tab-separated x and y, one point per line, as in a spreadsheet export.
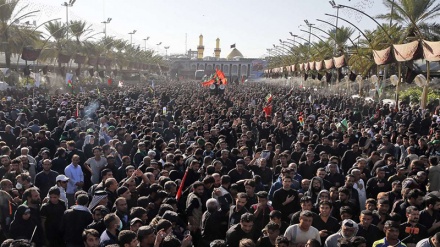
234	53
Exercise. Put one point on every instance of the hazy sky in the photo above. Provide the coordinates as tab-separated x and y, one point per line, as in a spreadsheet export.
253	25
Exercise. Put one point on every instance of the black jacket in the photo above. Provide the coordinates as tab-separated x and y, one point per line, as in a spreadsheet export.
73	223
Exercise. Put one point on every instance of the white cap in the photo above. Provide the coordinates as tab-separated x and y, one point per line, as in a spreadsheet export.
62	178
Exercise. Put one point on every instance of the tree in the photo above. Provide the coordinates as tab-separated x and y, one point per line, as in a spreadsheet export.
415	16
10	14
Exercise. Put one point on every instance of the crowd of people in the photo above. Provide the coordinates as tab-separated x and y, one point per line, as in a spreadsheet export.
182	165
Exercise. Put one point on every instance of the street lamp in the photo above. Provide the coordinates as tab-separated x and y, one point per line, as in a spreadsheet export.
105	26
131	37
67	5
166	51
310	31
337	7
145	41
158	44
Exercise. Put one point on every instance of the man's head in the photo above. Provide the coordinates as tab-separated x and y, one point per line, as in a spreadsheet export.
391	229
436	240
198	188
146	236
287	182
325	208
247	222
121	205
365	218
241	200
306	203
432	203
349	228
272	230
47	164
305	220
282	241
415	197
32	196
127	238
349	181
112	221
412	214
90	238
54	195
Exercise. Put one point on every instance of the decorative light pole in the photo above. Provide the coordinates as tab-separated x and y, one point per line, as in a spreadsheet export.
131	37
105	26
145	43
166	51
67	5
337	7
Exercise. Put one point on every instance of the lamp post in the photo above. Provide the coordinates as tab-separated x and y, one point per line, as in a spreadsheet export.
310	31
131	37
145	43
166	51
158	44
67	5
337	7
105	26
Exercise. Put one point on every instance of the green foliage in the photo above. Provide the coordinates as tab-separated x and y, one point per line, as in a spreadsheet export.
414	94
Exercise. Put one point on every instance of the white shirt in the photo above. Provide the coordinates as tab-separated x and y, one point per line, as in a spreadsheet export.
301	237
75	175
361	191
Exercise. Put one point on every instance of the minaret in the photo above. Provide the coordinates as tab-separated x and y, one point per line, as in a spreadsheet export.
200	48
217	49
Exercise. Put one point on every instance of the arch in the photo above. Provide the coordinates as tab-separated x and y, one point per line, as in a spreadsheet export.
225	69
201	66
193	67
243	69
234	69
209	67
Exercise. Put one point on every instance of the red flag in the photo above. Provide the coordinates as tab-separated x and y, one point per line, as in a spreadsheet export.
109	81
221	76
208	83
268	110
179	191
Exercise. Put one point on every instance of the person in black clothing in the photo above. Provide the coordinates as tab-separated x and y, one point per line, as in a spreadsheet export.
366	229
261	211
51	213
75	220
430	215
412	231
210	220
286	199
325	223
22	226
271	232
377	184
237	210
45	179
241	230
239	172
414	198
344	196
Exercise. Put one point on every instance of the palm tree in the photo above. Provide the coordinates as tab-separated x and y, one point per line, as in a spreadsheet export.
9	14
415	16
341	38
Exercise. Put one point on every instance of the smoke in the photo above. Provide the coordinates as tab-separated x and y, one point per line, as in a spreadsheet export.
88	110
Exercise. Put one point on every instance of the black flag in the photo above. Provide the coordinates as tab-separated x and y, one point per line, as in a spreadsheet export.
233	46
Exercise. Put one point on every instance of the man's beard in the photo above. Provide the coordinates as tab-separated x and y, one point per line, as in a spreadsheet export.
316	189
36	202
